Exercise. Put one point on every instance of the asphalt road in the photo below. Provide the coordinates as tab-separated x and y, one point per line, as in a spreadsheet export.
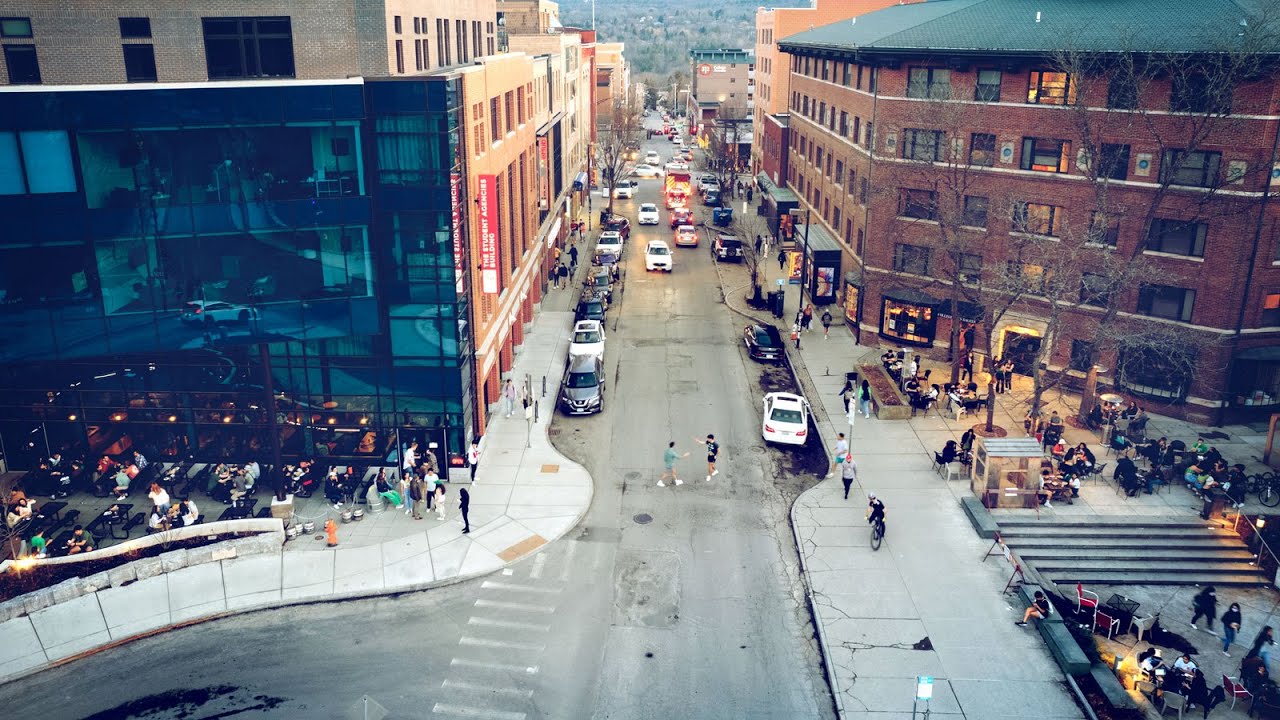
676	602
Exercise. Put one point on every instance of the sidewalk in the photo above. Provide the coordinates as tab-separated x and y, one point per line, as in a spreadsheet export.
526	495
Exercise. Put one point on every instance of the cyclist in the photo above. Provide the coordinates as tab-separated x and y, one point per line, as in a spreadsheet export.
875	511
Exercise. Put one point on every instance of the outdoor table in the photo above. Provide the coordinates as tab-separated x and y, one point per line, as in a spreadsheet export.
1124	609
50	510
58	546
236	513
119	517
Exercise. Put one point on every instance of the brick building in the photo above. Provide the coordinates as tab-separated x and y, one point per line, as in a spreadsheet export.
722	85
881	124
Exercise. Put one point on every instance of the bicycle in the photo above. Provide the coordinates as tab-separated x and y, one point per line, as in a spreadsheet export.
877	534
1267	485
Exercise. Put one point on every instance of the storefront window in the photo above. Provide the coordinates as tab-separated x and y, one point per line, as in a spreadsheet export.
908	322
852	293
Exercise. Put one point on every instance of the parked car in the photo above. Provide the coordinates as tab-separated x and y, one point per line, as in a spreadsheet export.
610	240
687	154
707	180
726	247
644	170
618	224
786	419
582	390
625	189
648	214
217	311
681	216
600	279
763	342
652	158
686	236
588	339
657	256
591	306
711	197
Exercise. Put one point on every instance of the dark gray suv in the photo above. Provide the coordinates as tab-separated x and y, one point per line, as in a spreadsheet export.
582	390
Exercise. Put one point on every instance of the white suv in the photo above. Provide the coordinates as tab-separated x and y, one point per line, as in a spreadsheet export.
648	214
610	240
657	256
626	189
652	158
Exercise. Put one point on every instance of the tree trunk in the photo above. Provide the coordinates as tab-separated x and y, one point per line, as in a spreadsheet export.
1088	396
991	403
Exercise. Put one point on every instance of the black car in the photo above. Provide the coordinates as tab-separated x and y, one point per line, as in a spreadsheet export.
764	342
591	306
619	224
726	247
603	276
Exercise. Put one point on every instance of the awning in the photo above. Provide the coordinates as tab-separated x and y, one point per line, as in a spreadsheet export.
554	233
580	181
778	194
854	278
819	239
1266	353
912	297
969	312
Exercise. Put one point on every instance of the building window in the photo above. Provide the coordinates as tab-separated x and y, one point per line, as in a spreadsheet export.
864	189
400	56
15	27
1050	88
1033	278
982	149
975	211
844	124
36	161
988	88
1165	301
495	121
140	63
1155	373
847	77
1122	91
925	145
912	259
1196	93
1193	169
934	83
970	268
249	47
135	27
1113	161
24	68
857	130
1104	230
1270	310
918	204
908	321
835	217
839	176
1045	155
1177	237
1037	219
399	28
1081	355
1095	290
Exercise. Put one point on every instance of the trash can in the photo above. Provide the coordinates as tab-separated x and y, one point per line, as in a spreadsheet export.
776	299
1214	504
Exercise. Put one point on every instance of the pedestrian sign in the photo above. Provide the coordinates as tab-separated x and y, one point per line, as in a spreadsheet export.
924	687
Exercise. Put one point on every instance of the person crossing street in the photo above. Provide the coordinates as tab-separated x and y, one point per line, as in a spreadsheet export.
669	463
713	449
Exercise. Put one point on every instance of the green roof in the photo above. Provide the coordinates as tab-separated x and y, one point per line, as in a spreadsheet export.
729	55
1011	26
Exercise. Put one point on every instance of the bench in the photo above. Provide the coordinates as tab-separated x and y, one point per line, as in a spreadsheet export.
1112	689
133	522
98	528
1061	643
985	525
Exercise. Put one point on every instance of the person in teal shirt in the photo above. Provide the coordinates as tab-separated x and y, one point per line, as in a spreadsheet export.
38	544
669	464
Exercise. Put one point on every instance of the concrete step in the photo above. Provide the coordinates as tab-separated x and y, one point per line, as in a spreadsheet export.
1154	564
1022	519
1112	577
1042	556
1086	531
1142	545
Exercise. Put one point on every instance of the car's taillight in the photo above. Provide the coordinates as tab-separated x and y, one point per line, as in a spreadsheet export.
769	428
199	310
801	433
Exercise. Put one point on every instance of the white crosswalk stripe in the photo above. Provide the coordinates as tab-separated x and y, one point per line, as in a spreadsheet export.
522	607
503	644
508	624
485	688
499	667
517	587
475	712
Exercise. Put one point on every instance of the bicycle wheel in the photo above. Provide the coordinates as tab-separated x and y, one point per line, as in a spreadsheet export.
1269	493
1252	483
876	536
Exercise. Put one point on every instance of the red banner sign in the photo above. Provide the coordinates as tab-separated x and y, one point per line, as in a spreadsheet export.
544	172
488	201
455	203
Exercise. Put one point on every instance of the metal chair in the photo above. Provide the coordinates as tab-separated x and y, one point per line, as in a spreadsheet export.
1097	471
1234	690
1085	599
1172	700
1104	619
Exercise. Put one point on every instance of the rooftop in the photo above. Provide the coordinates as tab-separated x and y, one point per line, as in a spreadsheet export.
730	55
1043	26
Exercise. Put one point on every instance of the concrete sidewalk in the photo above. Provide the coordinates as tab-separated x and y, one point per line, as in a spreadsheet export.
526	495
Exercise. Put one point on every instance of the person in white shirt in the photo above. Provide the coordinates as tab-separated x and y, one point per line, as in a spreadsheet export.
190	515
252	472
159	496
410	457
139	460
158	519
1184	663
473	459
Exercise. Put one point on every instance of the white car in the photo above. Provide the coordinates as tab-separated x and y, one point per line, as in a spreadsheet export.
786	419
675	165
646	171
707	180
648	214
610	241
626	189
652	158
657	256
588	339
216	311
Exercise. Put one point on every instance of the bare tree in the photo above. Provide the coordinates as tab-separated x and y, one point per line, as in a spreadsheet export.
747	227
618	139
724	136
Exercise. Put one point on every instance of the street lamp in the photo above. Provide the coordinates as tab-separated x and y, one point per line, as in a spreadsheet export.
804	258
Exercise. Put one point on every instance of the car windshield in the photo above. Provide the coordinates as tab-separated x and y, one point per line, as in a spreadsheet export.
786	415
591	306
587	336
763	339
658	250
582	380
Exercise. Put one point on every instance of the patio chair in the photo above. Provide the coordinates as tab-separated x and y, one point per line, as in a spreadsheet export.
1085	599
1234	690
937	462
1173	700
1096	472
1142	625
954	469
1146	688
1102	618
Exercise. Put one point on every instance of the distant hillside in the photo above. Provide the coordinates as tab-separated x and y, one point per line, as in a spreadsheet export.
660	33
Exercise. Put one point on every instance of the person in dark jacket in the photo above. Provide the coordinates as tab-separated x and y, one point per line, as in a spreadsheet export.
464	505
1206	605
1230	626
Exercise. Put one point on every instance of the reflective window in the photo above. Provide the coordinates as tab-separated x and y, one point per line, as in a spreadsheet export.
249	47
47	157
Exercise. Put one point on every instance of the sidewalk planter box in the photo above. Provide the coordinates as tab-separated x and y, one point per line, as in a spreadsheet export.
886	401
1111	687
1061	643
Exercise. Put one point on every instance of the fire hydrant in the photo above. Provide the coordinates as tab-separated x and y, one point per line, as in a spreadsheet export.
331	530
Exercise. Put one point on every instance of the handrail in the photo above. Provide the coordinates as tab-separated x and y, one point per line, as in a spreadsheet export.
1257	532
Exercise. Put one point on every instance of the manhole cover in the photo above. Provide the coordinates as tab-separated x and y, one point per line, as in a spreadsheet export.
319	537
757	450
643	518
632	476
553	432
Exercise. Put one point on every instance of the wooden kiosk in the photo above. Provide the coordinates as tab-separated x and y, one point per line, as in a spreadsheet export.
1006	471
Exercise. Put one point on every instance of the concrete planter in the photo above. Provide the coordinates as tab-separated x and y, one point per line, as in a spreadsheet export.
886	401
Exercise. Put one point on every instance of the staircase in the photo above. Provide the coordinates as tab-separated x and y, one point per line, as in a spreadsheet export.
1131	551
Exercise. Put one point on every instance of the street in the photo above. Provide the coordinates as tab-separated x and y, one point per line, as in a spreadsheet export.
681	602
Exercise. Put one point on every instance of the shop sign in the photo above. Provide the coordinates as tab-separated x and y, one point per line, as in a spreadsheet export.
544	179
455	207
488	201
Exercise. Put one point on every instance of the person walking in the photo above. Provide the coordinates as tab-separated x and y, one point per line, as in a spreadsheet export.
837	454
473	459
440	500
562	274
1230	626
864	399
417	494
713	449
848	473
966	369
847	394
1205	604
1262	646
573	257
759	244
429	482
795	334
806	317
669	464
782	259
464	507
553	277
509	396
826	326
410	460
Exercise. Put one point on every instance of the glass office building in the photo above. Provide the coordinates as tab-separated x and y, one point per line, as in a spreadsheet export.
172	254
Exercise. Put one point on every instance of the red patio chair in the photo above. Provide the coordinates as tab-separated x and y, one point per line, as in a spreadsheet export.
1103	619
1234	690
1085	599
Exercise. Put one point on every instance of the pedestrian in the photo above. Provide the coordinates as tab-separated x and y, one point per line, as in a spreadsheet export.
782	259
837	454
1262	646
759	244
429	483
966	369
864	399
573	259
749	195
429	459
846	394
406	477
848	473
713	449
464	506
1205	604
418	496
1230	626
826	326
669	463
764	251
440	500
806	317
563	273
795	334
410	460
473	459
509	396
913	369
